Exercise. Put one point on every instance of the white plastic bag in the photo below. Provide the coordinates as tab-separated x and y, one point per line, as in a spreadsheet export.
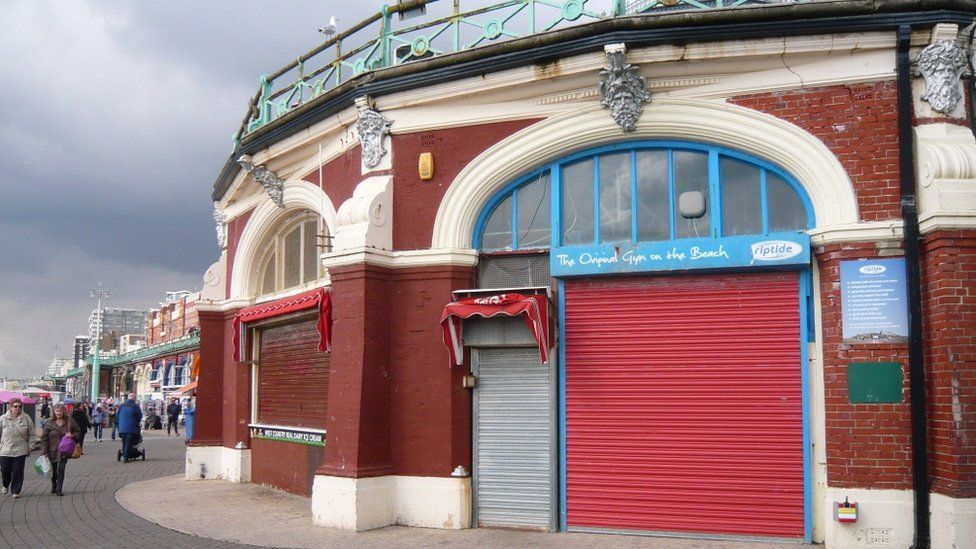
43	466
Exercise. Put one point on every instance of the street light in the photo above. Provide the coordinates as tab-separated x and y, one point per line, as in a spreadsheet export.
98	293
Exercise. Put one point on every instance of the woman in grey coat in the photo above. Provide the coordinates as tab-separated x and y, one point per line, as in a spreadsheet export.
16	439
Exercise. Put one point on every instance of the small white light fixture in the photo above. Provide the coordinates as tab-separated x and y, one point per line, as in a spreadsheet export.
691	204
460	472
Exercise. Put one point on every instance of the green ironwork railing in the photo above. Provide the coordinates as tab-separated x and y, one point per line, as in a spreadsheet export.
160	349
383	43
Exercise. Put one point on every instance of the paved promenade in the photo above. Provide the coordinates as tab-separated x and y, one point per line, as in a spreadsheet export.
88	515
148	504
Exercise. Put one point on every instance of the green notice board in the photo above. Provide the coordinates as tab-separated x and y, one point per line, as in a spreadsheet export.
874	382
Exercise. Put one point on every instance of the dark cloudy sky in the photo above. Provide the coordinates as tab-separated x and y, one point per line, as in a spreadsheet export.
115	118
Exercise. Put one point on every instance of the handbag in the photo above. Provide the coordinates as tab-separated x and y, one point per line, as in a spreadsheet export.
77	453
67	446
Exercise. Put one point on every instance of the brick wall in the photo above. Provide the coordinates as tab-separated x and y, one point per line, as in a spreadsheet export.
859	124
415	202
868	445
431	420
949	297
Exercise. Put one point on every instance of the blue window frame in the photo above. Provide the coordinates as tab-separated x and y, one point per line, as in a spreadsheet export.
643	192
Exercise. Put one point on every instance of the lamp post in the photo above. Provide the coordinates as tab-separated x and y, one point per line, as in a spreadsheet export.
98	293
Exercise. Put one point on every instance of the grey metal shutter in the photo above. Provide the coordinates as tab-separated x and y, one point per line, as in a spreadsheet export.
514	439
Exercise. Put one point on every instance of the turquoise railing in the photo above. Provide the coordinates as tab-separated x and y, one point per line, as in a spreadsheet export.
184	343
386	39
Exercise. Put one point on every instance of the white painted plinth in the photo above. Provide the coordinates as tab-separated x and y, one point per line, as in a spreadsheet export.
885	518
953	523
433	502
218	462
367	503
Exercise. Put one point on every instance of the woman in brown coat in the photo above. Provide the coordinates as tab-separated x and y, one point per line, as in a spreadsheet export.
54	429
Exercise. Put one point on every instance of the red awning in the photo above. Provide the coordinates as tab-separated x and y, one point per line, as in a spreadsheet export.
187	388
316	299
534	307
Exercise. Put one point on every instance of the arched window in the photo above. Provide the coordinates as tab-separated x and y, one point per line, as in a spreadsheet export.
645	192
292	254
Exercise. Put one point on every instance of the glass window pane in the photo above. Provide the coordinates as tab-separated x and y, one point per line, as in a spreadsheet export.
498	230
691	175
533	213
293	256
653	207
615	207
310	253
785	209
268	278
577	203
741	199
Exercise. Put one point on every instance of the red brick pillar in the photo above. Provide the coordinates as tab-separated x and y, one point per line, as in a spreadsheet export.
358	439
208	418
949	298
868	445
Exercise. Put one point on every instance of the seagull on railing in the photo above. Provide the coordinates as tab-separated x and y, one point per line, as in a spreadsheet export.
329	30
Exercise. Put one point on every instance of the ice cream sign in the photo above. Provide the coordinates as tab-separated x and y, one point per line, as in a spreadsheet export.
683	255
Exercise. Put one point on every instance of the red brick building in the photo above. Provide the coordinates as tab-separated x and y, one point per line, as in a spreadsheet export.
697	272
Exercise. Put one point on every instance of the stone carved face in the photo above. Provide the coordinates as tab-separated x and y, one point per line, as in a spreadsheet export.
942	65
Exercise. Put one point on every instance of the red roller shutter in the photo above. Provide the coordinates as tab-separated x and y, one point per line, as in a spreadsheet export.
683	405
293	376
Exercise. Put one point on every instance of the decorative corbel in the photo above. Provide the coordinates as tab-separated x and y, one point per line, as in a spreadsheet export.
622	88
274	185
942	64
372	128
221	220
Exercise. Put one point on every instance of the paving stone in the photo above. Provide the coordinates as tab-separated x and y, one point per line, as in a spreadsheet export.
88	515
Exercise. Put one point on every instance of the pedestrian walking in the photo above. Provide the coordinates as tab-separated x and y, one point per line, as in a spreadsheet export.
130	417
173	416
113	419
80	417
16	439
57	428
98	421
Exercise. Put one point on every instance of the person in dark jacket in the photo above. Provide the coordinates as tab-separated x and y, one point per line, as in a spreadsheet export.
81	419
130	417
54	429
173	412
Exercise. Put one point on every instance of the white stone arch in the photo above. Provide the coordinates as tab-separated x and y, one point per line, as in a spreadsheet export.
715	123
298	195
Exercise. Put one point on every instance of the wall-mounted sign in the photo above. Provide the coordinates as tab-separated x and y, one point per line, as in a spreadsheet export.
874	301
781	249
288	434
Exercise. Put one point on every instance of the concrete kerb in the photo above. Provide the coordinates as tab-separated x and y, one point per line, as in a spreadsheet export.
258	515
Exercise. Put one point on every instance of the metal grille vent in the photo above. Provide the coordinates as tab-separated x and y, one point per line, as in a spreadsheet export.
515	271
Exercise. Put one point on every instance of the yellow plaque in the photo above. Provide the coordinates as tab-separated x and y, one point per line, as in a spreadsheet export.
426	166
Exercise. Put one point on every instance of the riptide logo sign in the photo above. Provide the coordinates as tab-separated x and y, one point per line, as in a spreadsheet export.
775	250
873	269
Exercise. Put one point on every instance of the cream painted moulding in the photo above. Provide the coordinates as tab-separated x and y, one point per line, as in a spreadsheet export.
462	257
297	195
892	230
946	177
542	90
764	136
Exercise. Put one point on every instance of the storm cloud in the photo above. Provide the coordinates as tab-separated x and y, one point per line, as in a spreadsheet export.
117	117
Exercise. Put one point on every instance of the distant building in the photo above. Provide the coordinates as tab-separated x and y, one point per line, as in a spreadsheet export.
116	322
81	350
158	365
